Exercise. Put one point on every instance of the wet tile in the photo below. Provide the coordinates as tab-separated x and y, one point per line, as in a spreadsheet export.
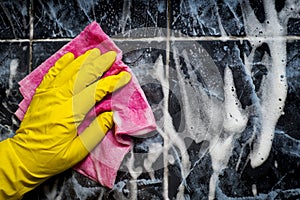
234	18
67	185
14	59
54	19
43	50
14	19
287	122
200	71
202	18
293	27
279	18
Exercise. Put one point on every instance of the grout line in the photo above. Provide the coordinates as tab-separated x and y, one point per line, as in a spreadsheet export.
148	39
14	40
166	142
233	38
53	40
157	39
30	34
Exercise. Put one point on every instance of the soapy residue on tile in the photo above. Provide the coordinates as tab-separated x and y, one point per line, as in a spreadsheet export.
273	90
219	117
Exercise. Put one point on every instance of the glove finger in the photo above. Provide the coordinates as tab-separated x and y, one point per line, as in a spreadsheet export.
95	132
83	144
69	71
111	84
92	70
86	99
60	64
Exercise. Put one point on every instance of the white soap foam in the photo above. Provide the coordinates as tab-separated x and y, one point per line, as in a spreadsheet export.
14	64
273	90
235	118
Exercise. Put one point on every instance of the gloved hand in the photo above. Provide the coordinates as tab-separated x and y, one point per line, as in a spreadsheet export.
47	142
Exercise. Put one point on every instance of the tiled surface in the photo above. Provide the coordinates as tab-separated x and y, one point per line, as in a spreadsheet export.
14	20
53	19
43	50
14	63
201	18
188	156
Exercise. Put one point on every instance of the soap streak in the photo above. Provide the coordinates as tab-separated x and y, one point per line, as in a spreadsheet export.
126	13
273	89
161	74
14	64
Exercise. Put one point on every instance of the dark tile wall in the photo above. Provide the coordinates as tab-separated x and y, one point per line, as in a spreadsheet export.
43	50
14	19
14	65
194	43
201	18
53	19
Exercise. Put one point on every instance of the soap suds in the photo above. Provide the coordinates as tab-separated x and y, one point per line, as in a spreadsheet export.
254	190
235	118
154	152
126	13
219	117
274	84
14	64
135	172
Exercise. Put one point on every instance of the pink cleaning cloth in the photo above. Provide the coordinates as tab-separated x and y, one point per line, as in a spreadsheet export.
132	113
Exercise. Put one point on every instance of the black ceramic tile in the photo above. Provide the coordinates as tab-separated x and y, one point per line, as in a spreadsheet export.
288	121
202	65
43	50
206	18
293	27
194	19
269	15
67	185
55	19
234	18
14	19
14	65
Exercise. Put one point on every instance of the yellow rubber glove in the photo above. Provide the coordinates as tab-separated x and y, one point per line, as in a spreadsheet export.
47	142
